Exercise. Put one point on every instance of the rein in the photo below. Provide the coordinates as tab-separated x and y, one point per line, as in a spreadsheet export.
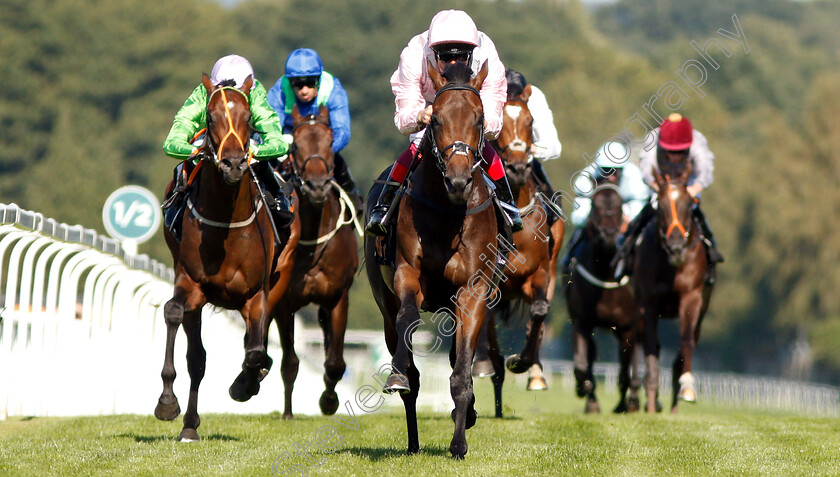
223	225
586	274
345	203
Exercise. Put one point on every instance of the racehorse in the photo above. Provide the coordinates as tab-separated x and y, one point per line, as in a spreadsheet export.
595	300
227	255
530	270
327	255
446	249
672	278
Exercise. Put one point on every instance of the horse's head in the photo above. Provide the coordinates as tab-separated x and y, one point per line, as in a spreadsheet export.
675	226
604	220
456	130
228	128
514	141
312	153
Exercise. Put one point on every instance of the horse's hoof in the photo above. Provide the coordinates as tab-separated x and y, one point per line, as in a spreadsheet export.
633	404
288	416
516	365
167	411
328	403
537	383
592	407
396	383
657	406
188	435
483	369
242	389
458	451
688	395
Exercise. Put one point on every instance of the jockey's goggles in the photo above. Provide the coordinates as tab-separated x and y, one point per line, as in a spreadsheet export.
301	81
448	53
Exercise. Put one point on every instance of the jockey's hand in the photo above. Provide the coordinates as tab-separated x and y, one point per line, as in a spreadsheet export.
694	189
425	115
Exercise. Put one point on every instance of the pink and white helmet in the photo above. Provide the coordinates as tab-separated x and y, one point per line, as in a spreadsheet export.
452	26
231	67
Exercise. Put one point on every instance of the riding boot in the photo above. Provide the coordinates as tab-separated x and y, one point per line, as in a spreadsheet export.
634	228
173	206
713	254
275	198
345	180
544	186
376	224
508	205
571	250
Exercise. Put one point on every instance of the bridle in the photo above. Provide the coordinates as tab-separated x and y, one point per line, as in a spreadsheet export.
457	147
214	155
685	231
606	186
311	120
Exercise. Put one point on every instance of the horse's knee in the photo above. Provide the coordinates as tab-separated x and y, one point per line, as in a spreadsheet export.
173	312
539	308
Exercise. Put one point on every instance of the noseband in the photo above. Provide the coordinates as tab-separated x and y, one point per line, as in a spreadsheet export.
457	147
214	155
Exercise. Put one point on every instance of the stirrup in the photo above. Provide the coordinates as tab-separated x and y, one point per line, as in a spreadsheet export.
512	215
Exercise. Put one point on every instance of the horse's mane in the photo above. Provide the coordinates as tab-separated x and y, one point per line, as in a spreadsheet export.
458	72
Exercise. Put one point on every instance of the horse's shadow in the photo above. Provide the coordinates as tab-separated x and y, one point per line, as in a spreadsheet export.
146	439
375	454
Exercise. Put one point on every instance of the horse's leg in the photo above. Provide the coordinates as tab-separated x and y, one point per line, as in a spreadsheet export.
498	361
583	344
536	380
290	363
535	292
187	296
683	380
625	358
334	324
470	316
255	364
196	361
407	285
651	348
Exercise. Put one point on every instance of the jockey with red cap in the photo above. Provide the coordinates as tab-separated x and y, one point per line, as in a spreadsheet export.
452	37
677	143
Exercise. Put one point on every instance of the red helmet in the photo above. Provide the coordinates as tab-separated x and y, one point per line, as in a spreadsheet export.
675	133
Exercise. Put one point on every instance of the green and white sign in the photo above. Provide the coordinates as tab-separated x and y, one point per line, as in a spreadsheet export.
131	213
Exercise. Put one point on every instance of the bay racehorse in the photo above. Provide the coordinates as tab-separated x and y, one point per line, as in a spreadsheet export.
672	278
596	300
327	255
529	276
445	249
227	255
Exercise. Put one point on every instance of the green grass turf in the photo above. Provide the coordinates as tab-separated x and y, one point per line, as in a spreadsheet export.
543	433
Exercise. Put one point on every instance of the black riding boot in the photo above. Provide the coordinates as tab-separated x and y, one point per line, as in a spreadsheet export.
376	224
508	205
276	199
544	186
173	206
634	228
571	250
345	180
713	254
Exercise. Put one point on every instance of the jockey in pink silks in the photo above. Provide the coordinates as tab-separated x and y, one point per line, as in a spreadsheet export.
452	37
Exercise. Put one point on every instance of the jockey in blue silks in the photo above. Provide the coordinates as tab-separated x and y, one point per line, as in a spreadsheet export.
308	85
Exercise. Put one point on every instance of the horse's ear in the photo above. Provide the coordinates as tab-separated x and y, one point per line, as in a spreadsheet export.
526	93
296	117
208	85
479	78
323	114
657	176
437	79
689	167
246	86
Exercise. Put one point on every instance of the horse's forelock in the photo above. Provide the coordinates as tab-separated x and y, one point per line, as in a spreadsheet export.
458	72
227	82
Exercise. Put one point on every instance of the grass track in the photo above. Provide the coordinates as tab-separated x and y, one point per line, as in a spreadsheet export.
542	434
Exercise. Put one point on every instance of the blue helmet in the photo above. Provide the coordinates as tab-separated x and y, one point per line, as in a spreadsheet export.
303	62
